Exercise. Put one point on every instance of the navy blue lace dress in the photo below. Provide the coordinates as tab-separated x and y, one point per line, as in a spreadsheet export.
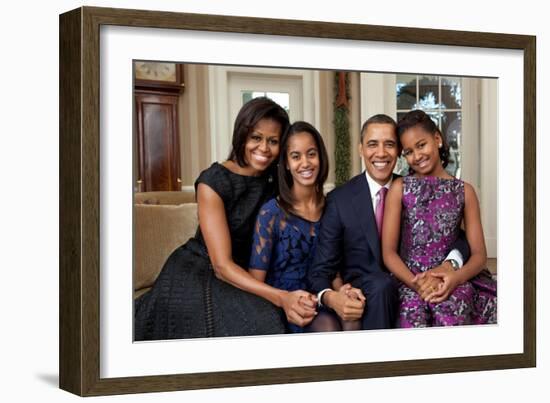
284	246
187	300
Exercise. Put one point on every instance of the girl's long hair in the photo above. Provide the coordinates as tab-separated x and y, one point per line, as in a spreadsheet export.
286	200
422	119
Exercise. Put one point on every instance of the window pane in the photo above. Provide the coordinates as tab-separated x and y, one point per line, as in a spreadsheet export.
405	87
451	127
401	167
434	116
451	93
282	98
247	96
428	92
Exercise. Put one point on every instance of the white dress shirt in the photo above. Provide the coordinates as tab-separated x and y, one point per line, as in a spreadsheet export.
375	188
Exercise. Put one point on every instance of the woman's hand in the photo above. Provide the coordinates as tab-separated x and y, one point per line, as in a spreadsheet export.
450	281
300	307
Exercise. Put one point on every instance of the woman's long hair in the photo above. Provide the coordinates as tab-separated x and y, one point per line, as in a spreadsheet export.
249	115
286	199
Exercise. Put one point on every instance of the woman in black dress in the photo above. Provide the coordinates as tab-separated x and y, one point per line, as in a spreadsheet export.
204	289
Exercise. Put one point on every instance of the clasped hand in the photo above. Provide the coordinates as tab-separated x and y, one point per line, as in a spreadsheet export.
300	307
348	302
436	285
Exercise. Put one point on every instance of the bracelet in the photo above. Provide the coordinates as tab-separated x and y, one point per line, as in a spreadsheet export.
320	296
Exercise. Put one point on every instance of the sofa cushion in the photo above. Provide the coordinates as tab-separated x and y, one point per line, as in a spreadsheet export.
159	229
178	197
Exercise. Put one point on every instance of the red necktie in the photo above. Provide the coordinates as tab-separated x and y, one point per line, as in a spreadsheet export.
379	212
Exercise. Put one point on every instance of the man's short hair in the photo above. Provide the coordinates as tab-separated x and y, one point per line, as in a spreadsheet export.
380	118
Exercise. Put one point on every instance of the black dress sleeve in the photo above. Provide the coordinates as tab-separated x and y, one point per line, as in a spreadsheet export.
216	177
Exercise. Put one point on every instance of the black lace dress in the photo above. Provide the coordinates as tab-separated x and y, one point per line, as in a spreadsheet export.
187	300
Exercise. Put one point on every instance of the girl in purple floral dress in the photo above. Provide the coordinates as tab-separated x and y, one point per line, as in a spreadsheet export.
422	218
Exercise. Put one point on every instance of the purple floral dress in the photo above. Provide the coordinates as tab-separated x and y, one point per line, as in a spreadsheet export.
431	215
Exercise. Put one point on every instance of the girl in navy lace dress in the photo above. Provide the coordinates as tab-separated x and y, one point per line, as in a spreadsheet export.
285	235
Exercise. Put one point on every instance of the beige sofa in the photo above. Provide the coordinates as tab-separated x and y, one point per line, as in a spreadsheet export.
162	222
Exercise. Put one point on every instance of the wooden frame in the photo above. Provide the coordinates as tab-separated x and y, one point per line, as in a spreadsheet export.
79	200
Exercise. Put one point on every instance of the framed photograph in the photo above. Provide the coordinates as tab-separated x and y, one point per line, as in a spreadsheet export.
197	70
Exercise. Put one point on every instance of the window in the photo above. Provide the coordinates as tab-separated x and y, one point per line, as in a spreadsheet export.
282	98
441	99
466	111
231	86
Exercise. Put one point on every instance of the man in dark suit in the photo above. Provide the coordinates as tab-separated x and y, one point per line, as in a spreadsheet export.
349	239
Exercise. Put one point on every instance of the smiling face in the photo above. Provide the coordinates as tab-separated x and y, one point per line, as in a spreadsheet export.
303	159
262	146
421	150
379	150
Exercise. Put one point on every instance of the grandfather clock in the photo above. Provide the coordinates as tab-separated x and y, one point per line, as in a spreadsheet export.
157	87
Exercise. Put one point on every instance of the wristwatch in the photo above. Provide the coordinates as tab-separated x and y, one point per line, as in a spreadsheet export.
454	264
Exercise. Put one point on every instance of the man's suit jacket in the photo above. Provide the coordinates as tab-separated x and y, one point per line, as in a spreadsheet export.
348	239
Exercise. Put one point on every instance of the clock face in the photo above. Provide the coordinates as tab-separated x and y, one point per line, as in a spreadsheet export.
155	71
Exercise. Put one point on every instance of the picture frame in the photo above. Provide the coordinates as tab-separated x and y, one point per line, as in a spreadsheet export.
80	324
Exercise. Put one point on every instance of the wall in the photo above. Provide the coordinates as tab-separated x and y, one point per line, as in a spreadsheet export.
195	111
194	123
326	127
355	122
29	202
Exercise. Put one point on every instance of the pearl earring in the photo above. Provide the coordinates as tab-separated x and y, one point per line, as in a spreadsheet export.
440	145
